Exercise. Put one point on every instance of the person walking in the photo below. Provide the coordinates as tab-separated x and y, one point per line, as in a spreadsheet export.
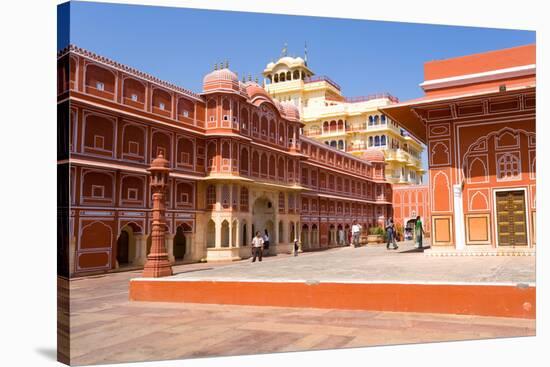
355	233
296	247
390	232
257	247
419	232
266	242
341	237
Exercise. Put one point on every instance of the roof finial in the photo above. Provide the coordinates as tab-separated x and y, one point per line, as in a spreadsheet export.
256	80
226	64
215	66
244	79
284	51
305	53
249	77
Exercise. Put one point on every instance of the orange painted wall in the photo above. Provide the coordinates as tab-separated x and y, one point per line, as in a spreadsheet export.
502	301
410	201
477	63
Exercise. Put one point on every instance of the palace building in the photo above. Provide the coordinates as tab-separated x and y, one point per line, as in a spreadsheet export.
238	161
348	124
477	119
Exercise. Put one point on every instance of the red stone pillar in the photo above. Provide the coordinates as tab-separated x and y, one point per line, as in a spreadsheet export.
157	264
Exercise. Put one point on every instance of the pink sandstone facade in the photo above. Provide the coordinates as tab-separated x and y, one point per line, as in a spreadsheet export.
477	119
237	159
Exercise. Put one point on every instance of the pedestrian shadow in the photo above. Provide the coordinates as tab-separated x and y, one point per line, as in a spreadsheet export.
413	250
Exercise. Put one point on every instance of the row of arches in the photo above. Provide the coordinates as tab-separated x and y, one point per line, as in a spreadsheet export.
101	187
239	233
286	76
337	144
258	163
374	120
265	123
104	82
377	141
101	137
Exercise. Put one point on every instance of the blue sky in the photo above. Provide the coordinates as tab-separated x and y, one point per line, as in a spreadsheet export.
181	45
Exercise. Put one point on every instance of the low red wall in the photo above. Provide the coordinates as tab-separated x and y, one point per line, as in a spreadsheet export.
484	300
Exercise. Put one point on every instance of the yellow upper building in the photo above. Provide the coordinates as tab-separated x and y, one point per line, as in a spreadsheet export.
349	124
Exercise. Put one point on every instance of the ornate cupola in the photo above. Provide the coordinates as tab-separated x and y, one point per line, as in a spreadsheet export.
221	79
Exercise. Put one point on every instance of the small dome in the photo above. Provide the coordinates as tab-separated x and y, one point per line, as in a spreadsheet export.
291	111
270	65
278	105
221	75
253	90
374	155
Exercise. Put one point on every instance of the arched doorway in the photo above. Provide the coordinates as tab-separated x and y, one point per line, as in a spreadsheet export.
314	235
123	248
180	241
225	233
244	235
280	236
263	216
126	244
331	235
211	234
340	236
291	232
305	236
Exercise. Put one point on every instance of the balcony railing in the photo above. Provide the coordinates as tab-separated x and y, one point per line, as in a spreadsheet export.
322	78
371	97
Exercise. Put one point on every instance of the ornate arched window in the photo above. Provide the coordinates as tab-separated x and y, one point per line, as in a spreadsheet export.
376	141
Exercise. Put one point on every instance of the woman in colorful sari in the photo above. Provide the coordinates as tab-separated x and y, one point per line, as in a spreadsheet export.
419	232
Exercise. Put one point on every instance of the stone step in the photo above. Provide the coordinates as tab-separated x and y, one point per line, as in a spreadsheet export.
495	252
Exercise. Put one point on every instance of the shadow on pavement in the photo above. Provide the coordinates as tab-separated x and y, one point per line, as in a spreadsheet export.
414	250
191	271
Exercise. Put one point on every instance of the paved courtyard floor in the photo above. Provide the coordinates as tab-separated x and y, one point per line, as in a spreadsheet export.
375	263
107	328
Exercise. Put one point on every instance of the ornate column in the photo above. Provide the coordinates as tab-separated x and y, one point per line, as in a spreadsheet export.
230	234
238	235
460	238
218	233
157	264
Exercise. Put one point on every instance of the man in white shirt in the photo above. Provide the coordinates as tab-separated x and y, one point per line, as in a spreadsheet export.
257	247
355	233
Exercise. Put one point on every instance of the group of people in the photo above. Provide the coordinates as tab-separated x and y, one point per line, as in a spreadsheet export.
261	243
391	233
